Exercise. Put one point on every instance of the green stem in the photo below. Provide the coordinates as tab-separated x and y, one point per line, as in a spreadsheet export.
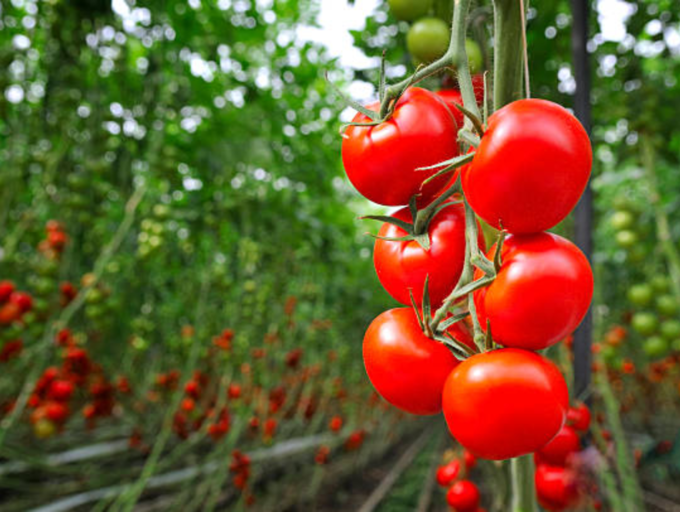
455	56
522	481
508	55
663	230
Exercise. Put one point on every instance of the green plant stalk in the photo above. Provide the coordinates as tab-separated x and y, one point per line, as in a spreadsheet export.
455	56
508	57
663	231
522	482
632	494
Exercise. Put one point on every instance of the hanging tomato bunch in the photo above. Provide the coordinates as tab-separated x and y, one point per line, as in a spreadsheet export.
468	344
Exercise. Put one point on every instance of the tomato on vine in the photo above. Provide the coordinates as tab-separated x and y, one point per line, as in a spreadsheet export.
541	293
407	368
404	265
382	161
505	403
531	167
428	39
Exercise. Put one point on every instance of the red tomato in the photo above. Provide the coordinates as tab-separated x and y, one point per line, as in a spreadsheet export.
453	97
23	300
9	312
463	496
447	473
579	417
407	368
505	403
6	289
562	446
60	390
541	294
470	460
405	264
530	168
381	161
555	488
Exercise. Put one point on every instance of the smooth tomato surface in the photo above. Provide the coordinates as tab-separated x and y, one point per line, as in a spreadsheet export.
579	417
463	496
448	473
541	294
556	487
381	161
404	265
505	403
406	368
530	168
560	448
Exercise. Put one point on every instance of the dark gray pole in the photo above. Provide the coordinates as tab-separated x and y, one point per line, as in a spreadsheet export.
584	211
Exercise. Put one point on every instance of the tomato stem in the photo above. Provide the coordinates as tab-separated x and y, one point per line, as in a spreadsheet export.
508	59
522	480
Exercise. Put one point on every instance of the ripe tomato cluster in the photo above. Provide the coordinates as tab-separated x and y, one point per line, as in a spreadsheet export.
560	483
531	291
462	494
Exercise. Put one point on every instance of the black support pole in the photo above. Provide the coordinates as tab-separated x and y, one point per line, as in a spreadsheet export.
584	211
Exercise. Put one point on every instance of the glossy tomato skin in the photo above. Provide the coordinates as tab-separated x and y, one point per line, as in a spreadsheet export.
556	487
559	450
448	473
404	265
530	168
541	294
505	403
406	368
381	161
463	496
578	417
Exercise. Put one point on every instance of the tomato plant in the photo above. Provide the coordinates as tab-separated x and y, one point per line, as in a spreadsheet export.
530	168
382	161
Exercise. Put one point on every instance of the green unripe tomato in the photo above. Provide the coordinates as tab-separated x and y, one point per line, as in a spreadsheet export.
626	238
608	353
644	323
93	296
660	284
44	286
428	39
622	219
44	428
640	294
409	10
475	57
667	305
161	211
670	329
29	318
637	254
655	347
622	202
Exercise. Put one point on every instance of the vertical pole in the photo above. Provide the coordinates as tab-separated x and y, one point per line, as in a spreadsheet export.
584	209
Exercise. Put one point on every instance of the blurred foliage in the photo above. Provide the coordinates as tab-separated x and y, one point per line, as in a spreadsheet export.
223	114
